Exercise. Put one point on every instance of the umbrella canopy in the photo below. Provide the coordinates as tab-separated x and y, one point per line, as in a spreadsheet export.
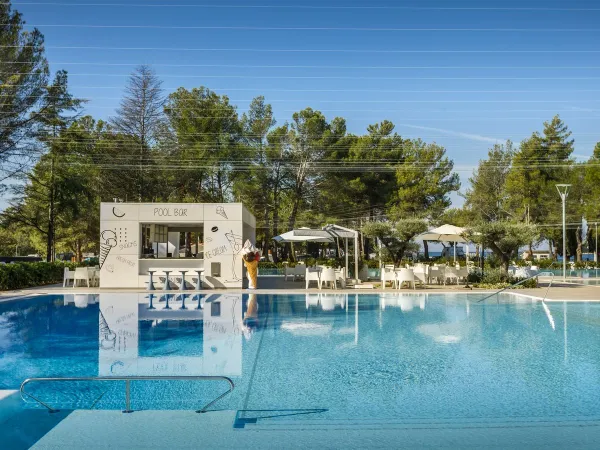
304	235
445	233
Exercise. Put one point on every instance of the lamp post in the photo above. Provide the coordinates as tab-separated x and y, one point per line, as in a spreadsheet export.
596	252
563	191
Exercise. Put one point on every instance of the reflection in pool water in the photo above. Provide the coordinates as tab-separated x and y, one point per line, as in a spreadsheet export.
364	356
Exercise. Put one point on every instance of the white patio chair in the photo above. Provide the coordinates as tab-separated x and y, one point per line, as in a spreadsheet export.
81	274
288	271
300	271
387	274
405	276
451	274
340	276
421	274
462	273
328	276
312	274
438	273
68	275
93	276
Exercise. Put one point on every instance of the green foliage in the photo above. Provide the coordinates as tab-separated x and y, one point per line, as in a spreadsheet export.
504	237
486	197
23	77
395	236
24	275
499	279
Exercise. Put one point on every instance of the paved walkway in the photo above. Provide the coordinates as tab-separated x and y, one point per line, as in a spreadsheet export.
276	285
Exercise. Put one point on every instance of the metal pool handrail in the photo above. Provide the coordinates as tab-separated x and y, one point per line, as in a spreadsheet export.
128	380
521	282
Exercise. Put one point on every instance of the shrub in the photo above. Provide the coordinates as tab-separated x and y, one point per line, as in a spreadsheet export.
498	279
31	274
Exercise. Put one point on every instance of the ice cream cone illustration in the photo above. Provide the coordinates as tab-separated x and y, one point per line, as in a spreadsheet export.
107	337
236	246
108	240
221	211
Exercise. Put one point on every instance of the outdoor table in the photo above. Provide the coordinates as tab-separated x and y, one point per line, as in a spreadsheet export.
151	282
182	271
167	286
199	282
182	285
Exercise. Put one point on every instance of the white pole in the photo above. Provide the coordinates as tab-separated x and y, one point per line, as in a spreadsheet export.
564	224
563	195
356	257
346	254
596	252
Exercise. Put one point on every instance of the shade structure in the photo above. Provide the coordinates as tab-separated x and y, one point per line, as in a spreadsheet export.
445	233
304	235
327	234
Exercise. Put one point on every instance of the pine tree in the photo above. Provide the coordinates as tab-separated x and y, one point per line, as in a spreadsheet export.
23	77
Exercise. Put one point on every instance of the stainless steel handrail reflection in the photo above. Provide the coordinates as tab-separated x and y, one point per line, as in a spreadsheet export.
537	275
128	380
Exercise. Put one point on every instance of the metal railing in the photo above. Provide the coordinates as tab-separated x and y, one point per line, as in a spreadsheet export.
537	275
128	381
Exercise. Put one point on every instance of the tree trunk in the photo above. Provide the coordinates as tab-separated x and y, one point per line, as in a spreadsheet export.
579	244
51	214
426	250
504	257
79	253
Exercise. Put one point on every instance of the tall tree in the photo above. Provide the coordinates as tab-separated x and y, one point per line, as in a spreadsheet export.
542	161
486	197
592	195
23	77
312	138
141	115
255	187
424	180
59	110
208	132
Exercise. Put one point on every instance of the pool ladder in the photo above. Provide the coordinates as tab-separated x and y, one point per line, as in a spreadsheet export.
537	275
128	380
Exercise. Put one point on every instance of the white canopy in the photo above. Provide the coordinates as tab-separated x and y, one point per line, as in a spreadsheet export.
445	233
304	235
327	234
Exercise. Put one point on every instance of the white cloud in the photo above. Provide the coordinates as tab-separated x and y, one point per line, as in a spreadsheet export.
472	137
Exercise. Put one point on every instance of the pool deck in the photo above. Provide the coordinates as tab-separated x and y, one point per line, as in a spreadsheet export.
559	292
185	429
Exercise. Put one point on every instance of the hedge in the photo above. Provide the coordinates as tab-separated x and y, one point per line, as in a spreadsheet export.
24	275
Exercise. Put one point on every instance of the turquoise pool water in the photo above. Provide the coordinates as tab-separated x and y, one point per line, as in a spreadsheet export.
316	356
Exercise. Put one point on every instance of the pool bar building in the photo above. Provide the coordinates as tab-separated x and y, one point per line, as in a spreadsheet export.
136	238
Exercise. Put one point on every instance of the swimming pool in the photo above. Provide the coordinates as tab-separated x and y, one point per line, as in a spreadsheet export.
318	356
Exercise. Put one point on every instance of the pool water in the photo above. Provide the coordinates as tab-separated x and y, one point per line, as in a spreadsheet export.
310	357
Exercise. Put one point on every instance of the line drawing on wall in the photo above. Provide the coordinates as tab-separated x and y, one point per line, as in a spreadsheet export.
236	242
221	211
108	240
107	337
118	213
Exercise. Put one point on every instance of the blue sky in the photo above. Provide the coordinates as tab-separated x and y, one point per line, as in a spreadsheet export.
465	74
